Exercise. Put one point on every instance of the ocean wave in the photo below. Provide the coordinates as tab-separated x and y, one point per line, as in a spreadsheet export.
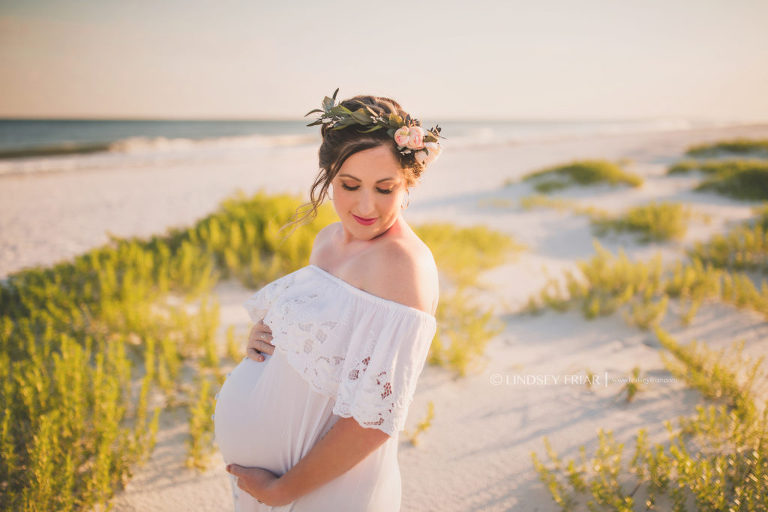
155	144
490	134
135	145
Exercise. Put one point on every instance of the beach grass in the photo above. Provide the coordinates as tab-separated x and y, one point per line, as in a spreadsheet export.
464	330
744	247
741	179
751	184
415	436
738	146
716	460
462	253
606	284
652	222
716	168
580	173
655	221
93	349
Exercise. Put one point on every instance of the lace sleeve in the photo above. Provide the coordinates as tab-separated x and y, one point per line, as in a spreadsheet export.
385	358
259	303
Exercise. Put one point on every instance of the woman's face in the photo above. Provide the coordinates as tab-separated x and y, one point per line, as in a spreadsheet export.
369	187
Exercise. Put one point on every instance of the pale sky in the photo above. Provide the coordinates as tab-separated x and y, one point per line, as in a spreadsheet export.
584	59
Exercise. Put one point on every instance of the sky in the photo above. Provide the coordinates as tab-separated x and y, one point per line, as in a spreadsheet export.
543	59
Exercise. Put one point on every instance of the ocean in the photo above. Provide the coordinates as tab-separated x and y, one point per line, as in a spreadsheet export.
44	145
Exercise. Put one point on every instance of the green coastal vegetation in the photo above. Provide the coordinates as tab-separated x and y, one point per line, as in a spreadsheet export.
93	351
739	146
744	247
651	222
579	173
740	179
714	460
640	290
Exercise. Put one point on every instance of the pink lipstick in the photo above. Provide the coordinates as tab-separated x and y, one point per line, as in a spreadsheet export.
365	222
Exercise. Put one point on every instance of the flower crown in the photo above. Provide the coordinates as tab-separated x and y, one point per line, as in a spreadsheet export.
409	136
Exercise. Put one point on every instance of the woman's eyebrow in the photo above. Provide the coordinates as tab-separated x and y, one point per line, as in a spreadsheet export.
358	179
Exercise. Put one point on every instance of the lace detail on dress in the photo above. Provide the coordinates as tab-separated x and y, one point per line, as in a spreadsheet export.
362	351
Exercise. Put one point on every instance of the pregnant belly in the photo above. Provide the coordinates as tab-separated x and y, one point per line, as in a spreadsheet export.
236	418
267	415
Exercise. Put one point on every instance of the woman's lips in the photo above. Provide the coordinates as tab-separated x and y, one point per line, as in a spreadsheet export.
366	222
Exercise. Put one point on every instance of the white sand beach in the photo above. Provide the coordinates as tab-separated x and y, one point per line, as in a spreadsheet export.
477	454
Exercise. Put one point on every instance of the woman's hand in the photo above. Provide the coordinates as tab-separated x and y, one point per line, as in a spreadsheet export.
259	342
260	483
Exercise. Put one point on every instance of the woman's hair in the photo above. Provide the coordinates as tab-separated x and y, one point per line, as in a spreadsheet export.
338	145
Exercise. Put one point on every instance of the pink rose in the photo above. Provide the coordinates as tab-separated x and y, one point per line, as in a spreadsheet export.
415	137
402	136
420	156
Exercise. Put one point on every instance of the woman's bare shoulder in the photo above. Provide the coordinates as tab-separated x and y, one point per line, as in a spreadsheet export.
404	271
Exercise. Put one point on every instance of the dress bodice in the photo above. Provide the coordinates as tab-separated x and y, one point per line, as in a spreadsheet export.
364	351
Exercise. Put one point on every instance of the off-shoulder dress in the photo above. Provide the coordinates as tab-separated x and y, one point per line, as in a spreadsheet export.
340	351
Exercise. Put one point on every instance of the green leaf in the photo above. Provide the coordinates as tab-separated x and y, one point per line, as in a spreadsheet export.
313	111
375	127
345	121
335	93
327	103
339	110
361	116
395	120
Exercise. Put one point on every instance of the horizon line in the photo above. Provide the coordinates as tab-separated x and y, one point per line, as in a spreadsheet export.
446	118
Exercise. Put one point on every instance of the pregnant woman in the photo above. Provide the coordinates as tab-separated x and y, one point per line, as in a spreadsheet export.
309	421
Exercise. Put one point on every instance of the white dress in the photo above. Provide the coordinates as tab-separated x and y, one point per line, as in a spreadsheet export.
339	352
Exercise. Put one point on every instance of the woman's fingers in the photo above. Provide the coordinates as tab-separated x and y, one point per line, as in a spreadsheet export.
258	343
254	355
259	333
263	327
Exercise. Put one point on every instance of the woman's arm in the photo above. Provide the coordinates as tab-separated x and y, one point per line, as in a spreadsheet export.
346	444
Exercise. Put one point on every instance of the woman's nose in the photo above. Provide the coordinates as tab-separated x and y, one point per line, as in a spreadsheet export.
366	205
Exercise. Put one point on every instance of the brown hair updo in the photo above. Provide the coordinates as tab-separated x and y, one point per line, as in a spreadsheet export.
338	145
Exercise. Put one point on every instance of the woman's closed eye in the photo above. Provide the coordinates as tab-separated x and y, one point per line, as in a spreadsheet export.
346	187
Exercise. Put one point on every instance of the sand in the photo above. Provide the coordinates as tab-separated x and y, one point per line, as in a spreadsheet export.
476	455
